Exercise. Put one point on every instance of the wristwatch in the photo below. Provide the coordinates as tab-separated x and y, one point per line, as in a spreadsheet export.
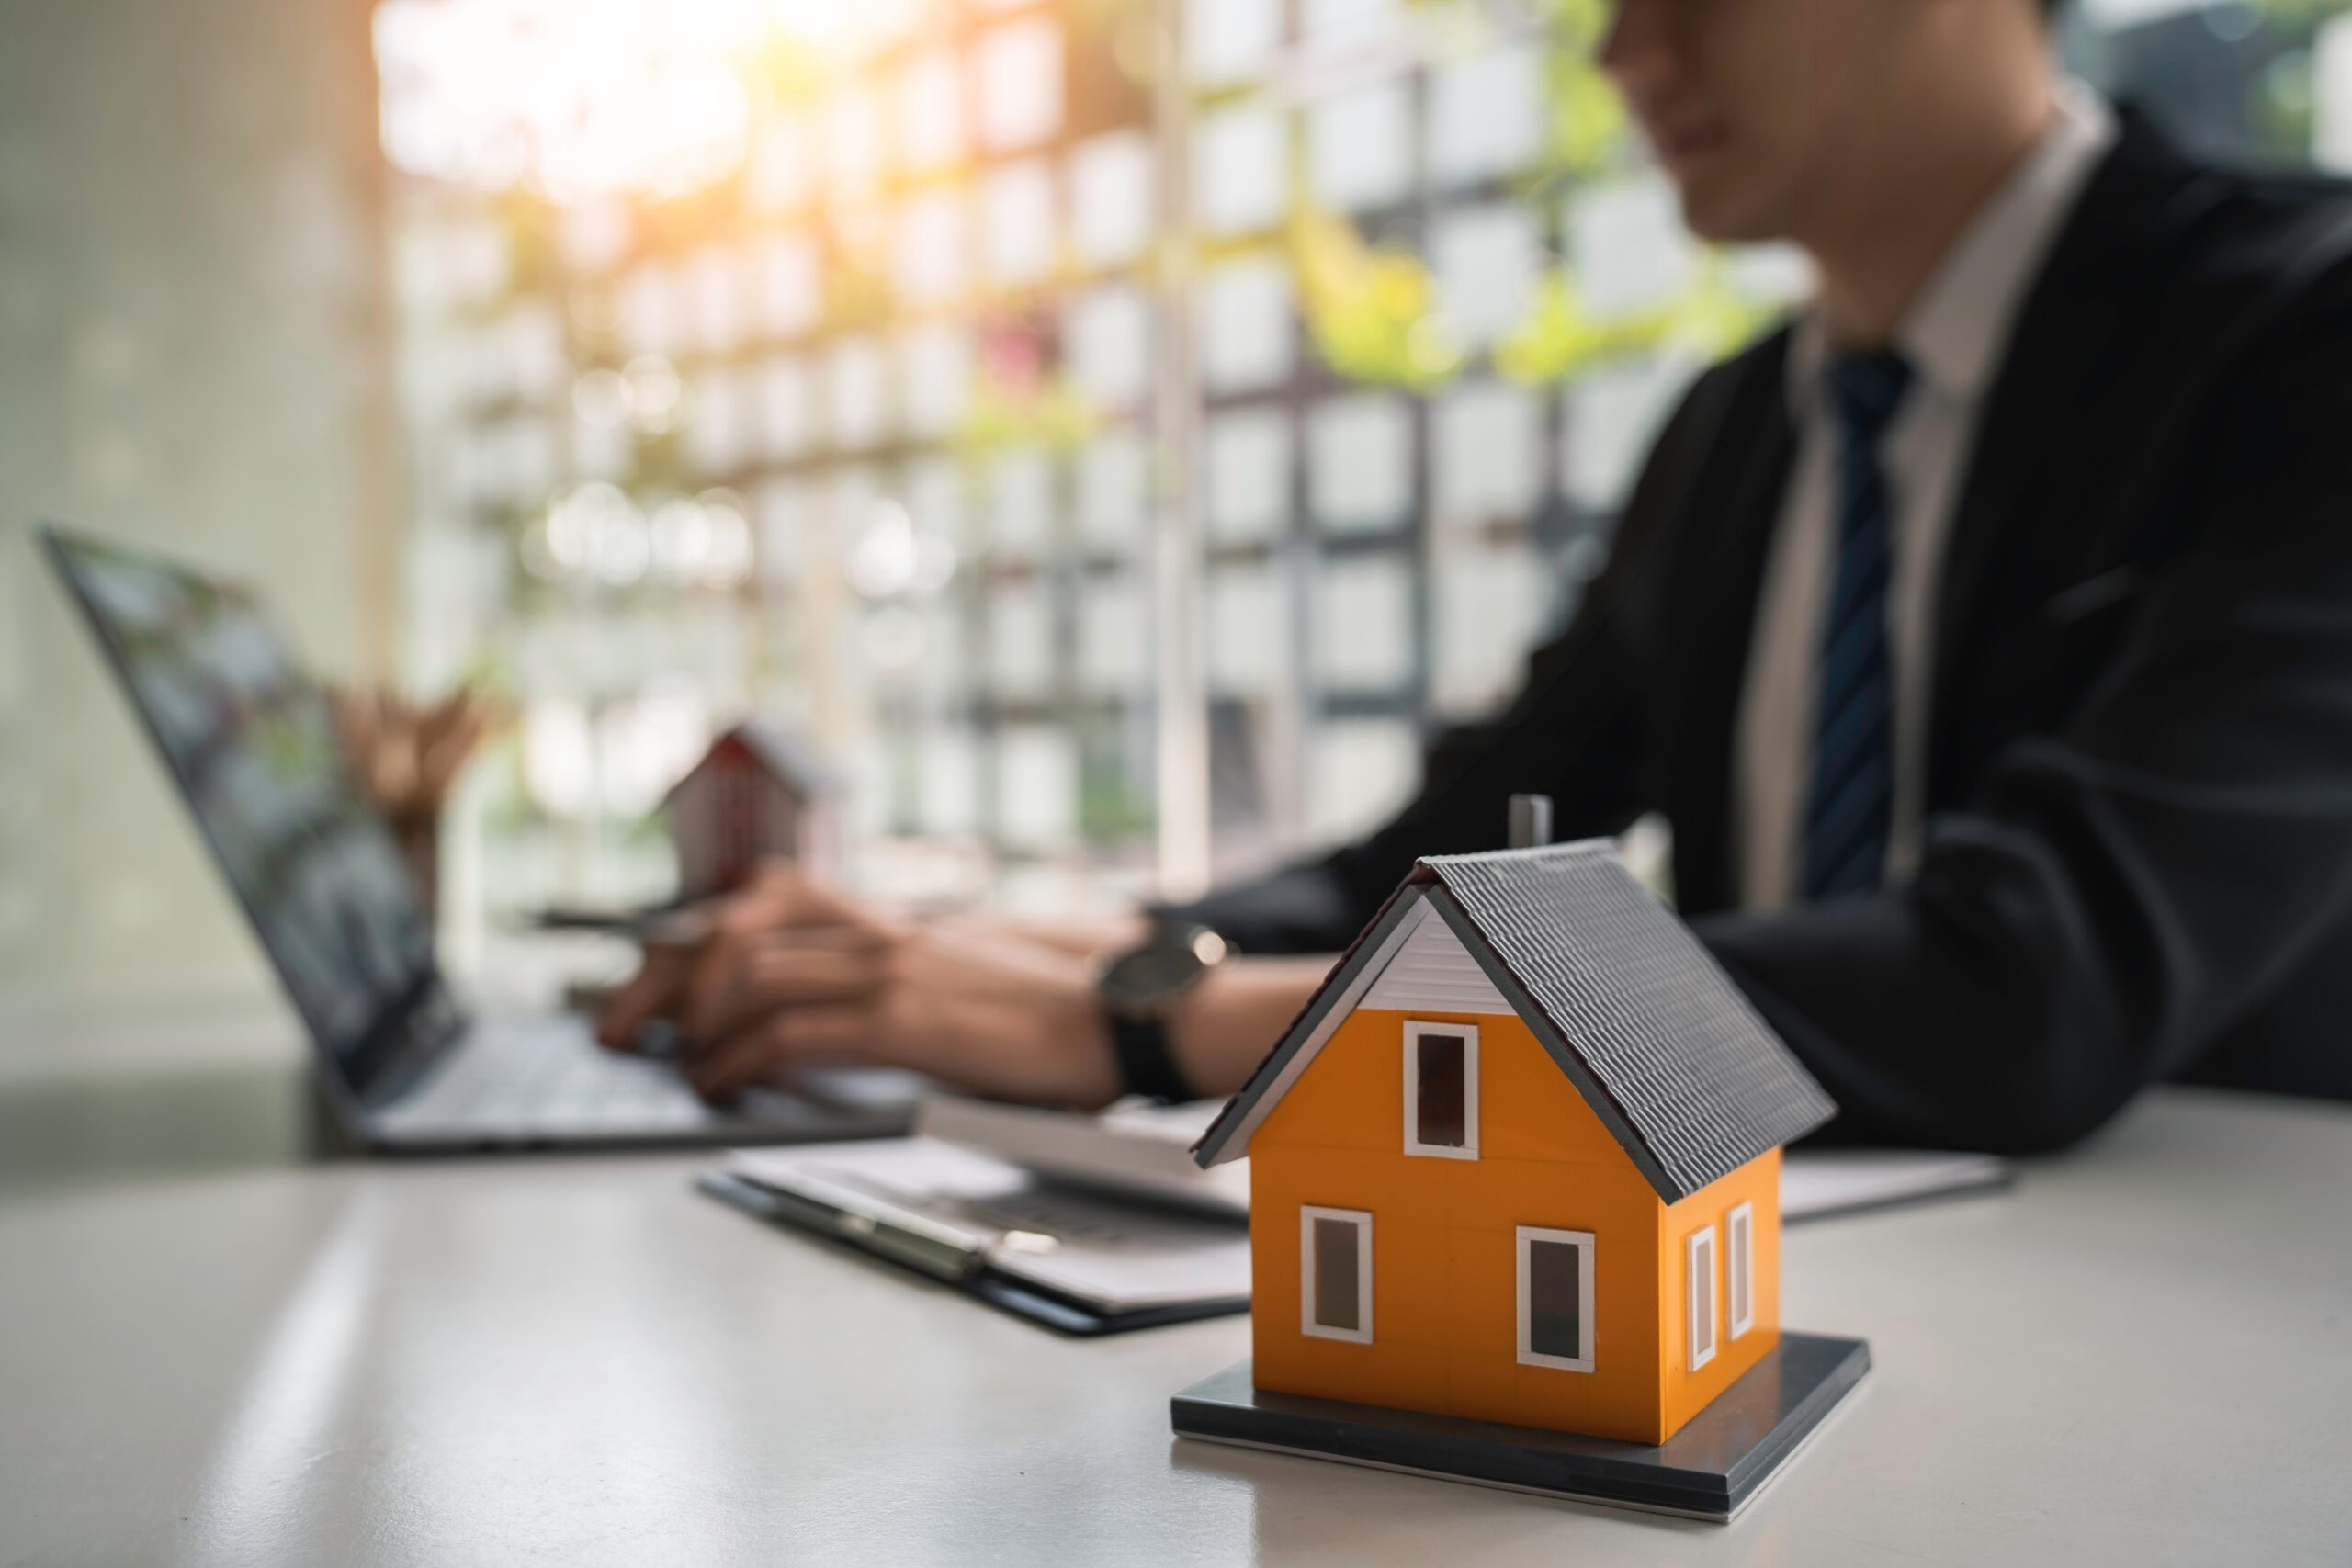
1141	988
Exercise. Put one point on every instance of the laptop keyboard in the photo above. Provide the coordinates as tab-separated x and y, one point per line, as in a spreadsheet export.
547	1077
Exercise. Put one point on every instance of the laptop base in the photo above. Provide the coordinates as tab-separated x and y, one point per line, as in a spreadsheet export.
533	1082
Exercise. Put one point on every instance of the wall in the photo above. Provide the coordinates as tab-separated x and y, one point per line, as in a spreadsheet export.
193	353
1756	1183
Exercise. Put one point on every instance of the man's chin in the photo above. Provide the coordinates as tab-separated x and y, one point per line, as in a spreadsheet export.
1725	212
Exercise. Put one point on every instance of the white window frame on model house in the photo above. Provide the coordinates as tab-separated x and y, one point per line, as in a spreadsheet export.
1699	1294
1739	1268
1468	1034
1361	1333
1529	1237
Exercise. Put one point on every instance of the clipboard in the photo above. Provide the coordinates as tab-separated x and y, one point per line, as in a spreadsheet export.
1075	1262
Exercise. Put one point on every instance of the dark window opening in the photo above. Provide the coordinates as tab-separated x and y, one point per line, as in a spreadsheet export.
1555	1300
1336	1304
1442	1080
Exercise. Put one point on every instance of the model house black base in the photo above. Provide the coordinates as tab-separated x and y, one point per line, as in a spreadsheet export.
1709	1470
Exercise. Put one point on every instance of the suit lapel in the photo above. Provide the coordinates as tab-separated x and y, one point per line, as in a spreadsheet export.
1738	508
2069	354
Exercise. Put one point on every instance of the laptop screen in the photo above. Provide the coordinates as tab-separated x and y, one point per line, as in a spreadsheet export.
252	744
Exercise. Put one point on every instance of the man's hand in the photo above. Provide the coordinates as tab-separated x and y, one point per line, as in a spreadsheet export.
794	974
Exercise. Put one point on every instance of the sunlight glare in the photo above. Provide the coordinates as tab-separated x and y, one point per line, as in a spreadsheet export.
576	100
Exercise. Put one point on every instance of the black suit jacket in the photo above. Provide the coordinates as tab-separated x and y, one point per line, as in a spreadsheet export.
2138	855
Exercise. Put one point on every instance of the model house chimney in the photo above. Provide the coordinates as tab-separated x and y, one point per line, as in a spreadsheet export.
1530	821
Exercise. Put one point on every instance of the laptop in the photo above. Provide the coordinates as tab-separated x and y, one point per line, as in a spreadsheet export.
249	739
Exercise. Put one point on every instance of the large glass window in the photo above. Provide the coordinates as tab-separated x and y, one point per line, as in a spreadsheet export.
837	386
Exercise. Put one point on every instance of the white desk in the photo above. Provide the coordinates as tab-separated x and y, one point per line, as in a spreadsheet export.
2142	1355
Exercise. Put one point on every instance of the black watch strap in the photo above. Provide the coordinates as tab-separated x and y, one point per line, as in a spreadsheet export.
1146	1064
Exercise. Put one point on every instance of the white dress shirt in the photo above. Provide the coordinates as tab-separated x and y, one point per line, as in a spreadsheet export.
1954	338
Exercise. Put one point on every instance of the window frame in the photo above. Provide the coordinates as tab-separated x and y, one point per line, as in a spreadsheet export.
1362	1219
1527	1237
1414	1030
1694	1281
1739	1268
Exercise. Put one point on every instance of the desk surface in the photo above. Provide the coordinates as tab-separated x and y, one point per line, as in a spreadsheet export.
2142	1354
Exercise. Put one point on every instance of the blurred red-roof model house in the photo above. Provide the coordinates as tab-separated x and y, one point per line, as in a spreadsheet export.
761	792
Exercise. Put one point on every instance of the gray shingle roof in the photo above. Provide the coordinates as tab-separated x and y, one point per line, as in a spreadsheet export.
1671	1056
1684	1056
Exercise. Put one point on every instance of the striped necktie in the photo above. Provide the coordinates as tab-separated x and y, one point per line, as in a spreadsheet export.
1850	804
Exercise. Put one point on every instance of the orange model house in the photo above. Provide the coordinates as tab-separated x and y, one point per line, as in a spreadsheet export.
1519	1159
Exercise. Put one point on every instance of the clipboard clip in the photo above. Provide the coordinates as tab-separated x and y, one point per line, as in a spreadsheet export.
919	1243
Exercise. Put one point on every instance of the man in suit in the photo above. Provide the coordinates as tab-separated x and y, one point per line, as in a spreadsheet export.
1985	634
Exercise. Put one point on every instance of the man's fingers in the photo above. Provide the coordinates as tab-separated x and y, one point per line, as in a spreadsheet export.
674	945
783	894
837	1032
733	1064
649	994
722	962
716	969
785	973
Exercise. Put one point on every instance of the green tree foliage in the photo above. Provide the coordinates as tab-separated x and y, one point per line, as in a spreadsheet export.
1562	337
1371	310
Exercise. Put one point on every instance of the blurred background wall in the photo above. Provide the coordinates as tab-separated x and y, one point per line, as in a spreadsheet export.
194	352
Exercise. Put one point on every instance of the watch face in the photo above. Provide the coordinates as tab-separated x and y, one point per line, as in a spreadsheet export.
1150	974
1149	977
